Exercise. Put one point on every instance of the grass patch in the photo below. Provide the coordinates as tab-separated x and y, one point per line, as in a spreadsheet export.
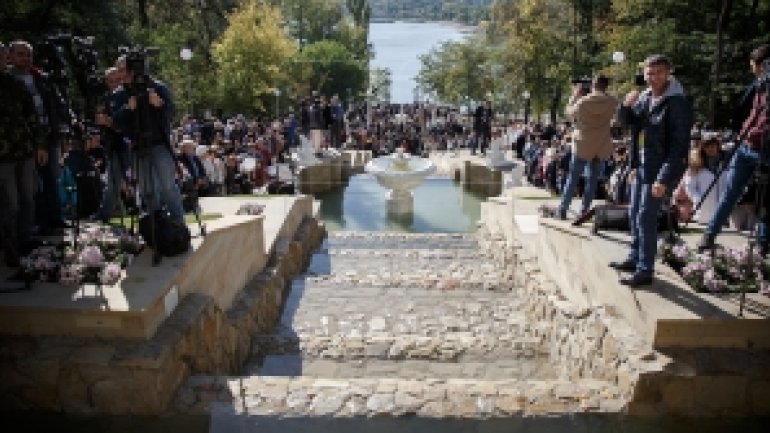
189	218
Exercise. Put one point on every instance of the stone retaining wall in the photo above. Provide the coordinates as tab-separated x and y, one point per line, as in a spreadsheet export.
601	343
122	377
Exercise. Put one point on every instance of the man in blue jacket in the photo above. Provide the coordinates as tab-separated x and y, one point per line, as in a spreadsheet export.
660	120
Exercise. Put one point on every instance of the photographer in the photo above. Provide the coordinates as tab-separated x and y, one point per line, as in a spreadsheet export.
746	159
54	118
593	113
22	143
116	148
660	119
144	113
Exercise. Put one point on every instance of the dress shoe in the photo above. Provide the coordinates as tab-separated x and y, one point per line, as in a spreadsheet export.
637	280
583	218
706	242
625	265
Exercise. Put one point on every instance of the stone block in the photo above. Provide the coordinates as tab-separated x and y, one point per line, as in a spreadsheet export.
758	395
720	394
678	396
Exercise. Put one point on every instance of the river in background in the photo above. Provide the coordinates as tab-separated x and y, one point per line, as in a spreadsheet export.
398	45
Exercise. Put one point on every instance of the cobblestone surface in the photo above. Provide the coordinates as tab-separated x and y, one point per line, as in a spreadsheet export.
397	324
355	304
429	398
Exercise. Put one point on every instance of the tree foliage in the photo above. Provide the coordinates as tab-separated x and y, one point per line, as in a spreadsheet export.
251	57
330	68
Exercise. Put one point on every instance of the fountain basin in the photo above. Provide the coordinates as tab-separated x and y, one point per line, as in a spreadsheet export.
400	173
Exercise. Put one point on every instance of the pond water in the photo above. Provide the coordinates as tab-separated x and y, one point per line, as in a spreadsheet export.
440	205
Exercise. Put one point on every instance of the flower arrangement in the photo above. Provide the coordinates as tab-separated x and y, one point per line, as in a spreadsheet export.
727	270
101	255
251	209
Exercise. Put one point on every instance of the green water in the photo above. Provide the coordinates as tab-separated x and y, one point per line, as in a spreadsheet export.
440	206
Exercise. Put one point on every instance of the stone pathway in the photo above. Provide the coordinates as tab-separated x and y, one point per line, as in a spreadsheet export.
398	324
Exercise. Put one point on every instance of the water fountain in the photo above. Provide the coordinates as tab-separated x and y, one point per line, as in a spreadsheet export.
400	173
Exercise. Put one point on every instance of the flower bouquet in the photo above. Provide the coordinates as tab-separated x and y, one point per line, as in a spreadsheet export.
101	255
727	270
251	209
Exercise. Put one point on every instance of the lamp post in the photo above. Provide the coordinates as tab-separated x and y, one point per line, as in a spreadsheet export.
526	95
277	93
618	57
186	54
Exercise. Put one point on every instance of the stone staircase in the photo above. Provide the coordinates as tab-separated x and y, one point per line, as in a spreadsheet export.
397	324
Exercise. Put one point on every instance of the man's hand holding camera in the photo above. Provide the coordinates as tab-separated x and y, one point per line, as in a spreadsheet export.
153	98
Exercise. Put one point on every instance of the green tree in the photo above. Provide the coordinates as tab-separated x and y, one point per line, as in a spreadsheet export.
330	68
251	57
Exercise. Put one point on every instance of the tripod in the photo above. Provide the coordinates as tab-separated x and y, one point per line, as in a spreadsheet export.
751	161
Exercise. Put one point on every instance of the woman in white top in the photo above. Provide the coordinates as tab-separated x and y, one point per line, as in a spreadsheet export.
695	182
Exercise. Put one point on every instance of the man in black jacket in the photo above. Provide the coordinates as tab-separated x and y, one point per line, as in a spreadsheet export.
54	118
660	119
21	145
146	118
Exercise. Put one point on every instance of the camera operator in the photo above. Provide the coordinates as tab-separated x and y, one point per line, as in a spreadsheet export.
746	159
593	113
22	143
660	119
54	118
118	158
151	134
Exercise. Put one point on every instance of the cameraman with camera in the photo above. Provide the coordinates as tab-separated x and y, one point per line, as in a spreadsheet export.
748	157
144	113
116	148
21	144
592	109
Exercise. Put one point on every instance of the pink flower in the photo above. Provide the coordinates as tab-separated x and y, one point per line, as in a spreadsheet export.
110	274
91	256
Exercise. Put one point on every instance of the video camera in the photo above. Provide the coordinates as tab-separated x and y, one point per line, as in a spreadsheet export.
137	67
585	84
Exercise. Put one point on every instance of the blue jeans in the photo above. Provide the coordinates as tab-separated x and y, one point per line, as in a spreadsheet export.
156	179
117	165
743	164
643	217
17	194
576	169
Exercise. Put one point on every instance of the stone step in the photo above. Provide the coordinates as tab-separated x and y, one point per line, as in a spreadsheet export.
295	365
323	398
449	347
385	241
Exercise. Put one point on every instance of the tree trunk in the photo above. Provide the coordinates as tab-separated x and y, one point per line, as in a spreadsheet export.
717	65
144	19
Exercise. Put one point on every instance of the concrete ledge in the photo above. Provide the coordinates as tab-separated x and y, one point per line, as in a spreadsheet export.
124	377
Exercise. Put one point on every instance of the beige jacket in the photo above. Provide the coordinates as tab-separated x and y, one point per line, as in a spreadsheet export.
592	115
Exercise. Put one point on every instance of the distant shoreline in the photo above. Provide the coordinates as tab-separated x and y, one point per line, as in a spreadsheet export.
464	27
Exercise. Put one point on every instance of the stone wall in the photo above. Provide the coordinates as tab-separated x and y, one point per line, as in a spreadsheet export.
139	378
600	342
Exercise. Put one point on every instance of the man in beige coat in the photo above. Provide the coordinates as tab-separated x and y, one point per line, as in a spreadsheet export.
592	113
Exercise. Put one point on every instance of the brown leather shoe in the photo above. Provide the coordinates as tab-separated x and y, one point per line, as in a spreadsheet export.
584	217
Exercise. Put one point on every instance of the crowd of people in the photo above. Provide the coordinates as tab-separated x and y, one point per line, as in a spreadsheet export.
644	152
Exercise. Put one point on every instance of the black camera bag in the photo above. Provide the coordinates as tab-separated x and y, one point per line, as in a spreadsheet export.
173	238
